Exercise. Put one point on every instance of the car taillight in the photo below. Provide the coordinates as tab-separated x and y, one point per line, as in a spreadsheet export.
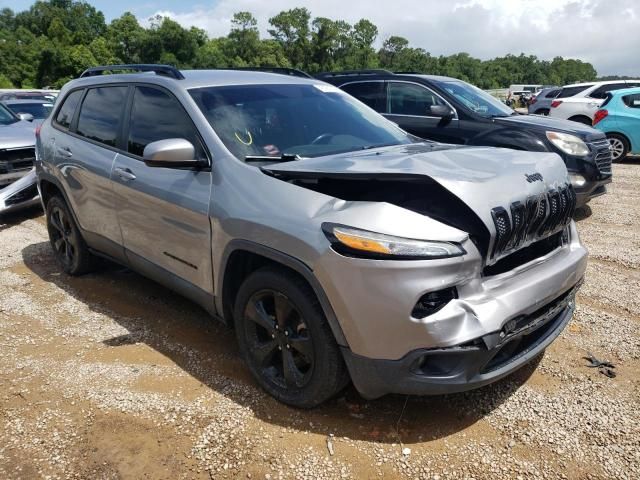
600	115
555	103
533	100
38	130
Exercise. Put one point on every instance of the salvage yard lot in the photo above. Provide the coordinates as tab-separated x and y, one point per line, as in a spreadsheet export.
112	376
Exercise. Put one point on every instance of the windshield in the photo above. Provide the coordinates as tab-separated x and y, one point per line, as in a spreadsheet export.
6	117
305	120
39	110
477	100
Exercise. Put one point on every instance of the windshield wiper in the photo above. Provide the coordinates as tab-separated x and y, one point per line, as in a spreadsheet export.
380	145
285	157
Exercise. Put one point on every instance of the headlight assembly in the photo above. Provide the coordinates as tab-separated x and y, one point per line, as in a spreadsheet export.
358	242
568	143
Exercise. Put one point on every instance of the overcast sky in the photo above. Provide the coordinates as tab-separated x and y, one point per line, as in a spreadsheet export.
603	32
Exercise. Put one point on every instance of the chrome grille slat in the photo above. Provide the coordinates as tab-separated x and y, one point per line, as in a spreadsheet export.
603	155
541	216
15	163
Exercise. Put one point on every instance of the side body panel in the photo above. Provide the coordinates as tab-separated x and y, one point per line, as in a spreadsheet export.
164	218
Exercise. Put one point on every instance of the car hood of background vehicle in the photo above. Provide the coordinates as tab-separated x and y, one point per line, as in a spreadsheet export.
546	123
18	134
482	177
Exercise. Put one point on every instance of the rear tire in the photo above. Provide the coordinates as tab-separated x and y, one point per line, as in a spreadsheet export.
542	111
69	248
285	339
619	147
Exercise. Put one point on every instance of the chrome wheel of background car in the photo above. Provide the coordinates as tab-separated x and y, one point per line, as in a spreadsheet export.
618	148
279	340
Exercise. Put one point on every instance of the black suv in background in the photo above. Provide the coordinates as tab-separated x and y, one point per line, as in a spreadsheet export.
448	110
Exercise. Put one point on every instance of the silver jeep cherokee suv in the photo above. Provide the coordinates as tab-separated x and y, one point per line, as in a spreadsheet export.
337	245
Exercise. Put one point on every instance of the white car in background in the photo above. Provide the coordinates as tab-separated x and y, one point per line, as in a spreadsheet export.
581	101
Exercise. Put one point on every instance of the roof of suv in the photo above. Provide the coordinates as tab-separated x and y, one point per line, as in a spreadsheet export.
598	84
195	78
333	77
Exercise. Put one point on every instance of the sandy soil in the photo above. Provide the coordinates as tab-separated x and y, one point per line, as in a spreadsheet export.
112	376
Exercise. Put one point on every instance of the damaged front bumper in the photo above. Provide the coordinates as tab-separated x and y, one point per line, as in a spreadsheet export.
20	194
463	367
495	324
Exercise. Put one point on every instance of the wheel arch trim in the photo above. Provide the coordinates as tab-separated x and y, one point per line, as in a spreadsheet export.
287	261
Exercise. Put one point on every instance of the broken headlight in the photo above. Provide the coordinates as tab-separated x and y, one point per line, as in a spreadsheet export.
358	242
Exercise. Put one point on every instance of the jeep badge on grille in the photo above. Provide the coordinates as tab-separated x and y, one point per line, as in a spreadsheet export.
533	177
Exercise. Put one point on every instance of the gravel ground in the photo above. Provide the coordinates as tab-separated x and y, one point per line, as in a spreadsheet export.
112	376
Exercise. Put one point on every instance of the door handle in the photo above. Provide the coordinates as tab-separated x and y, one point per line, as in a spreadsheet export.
65	152
125	174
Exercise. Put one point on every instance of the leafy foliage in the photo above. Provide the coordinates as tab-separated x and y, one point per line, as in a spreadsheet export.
54	41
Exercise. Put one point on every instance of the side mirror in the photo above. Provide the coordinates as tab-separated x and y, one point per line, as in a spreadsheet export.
441	111
27	117
170	153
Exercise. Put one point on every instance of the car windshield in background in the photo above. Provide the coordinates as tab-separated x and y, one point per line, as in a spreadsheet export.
39	110
478	101
305	120
6	117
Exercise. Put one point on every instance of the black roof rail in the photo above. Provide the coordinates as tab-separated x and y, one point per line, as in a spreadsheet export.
165	70
294	72
375	71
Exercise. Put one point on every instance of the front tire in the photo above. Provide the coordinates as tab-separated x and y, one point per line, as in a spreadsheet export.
69	248
285	339
619	147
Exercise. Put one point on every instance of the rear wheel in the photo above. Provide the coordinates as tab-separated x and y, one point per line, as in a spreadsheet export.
619	146
69	247
285	339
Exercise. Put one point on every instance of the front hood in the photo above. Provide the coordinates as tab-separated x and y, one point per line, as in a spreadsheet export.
543	123
486	179
18	134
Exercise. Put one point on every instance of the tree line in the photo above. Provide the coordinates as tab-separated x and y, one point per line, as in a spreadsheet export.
53	42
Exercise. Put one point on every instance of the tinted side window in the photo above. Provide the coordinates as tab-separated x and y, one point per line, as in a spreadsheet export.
552	93
601	92
632	101
156	115
68	108
411	99
571	91
100	114
369	93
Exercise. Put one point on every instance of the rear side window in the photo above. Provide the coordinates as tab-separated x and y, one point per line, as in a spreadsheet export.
100	114
68	108
156	115
370	93
571	91
632	101
601	92
553	93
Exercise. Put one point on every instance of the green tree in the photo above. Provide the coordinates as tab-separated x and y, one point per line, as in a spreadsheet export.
291	30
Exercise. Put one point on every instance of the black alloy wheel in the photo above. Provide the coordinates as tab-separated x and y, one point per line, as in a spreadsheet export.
62	239
285	339
69	248
279	340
